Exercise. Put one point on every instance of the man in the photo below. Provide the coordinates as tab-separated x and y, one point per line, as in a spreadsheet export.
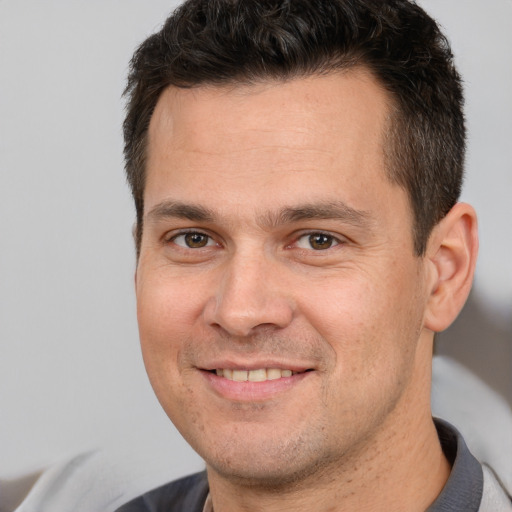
296	168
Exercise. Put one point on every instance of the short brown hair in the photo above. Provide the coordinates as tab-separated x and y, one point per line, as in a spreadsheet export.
214	42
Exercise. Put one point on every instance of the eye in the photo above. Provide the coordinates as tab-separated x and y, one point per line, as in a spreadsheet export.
317	241
193	240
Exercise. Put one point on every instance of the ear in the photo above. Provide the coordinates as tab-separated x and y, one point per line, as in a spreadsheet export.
451	256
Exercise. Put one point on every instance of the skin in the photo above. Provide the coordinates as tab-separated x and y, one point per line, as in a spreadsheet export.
253	171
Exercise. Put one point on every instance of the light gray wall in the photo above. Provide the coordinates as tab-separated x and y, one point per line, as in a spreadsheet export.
71	376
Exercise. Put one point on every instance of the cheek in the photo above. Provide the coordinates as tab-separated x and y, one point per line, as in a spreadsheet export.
344	312
167	307
372	322
370	327
167	312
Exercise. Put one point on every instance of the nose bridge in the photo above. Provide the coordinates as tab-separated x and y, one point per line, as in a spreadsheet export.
249	294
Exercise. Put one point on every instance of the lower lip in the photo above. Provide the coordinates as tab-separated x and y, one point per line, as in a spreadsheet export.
252	391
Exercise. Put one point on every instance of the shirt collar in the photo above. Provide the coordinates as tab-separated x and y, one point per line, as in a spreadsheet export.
463	490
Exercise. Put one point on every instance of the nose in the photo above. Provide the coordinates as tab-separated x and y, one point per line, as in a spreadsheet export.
250	294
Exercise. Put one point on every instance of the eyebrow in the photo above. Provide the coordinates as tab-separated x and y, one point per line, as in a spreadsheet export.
178	210
337	210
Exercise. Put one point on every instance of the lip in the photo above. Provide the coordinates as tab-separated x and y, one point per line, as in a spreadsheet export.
253	391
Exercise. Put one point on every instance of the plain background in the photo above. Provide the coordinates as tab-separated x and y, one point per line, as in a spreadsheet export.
71	375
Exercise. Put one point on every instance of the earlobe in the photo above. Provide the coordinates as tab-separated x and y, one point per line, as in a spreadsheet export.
451	253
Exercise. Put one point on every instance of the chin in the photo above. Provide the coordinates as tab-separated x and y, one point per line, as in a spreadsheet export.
271	478
269	465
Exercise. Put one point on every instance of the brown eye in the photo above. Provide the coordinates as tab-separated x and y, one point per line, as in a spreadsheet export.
320	241
317	241
193	240
196	240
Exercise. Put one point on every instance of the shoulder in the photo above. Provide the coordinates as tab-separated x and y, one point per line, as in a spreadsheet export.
495	497
187	494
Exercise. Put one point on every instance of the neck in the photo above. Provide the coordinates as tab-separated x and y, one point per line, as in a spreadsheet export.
402	468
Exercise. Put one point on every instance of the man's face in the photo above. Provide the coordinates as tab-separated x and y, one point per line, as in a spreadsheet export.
280	303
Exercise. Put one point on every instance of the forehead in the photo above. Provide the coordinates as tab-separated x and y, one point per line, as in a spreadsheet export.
306	137
198	117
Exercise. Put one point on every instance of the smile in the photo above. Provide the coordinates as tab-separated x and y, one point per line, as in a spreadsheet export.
254	385
259	375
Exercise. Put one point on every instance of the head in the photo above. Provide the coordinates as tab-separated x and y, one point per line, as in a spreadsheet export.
295	167
219	42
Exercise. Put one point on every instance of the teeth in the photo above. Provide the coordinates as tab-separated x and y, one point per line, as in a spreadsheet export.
259	375
240	375
273	373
